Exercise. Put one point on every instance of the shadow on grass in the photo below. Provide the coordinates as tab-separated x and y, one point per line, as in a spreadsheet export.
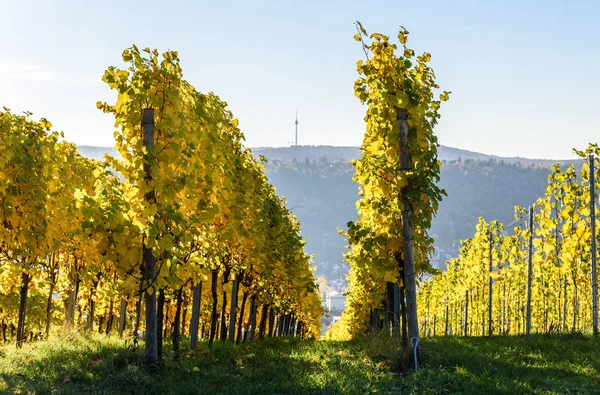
510	365
501	365
63	366
276	366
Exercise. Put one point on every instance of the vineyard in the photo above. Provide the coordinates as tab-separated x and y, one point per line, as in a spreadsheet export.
181	234
158	269
542	278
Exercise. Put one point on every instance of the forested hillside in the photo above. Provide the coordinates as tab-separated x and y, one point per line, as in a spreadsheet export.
323	196
317	182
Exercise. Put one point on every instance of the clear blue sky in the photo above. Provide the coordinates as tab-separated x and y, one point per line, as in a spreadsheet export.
524	74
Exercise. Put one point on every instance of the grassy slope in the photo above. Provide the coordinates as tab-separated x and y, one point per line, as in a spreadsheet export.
281	366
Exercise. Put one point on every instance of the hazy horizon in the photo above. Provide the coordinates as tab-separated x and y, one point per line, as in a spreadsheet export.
356	146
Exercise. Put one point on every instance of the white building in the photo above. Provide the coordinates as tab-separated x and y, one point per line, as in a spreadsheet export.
335	301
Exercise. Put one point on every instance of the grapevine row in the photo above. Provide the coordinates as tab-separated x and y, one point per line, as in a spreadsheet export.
181	233
397	173
539	278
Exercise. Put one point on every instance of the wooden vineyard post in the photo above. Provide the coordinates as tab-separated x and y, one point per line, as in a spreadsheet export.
196	295
280	321
138	312
109	320
122	315
176	336
184	312
389	306
466	329
233	309
529	272
593	252
502	317
252	317
21	335
446	323
160	316
151	354
241	317
213	315
223	321
263	321
396	322
407	230
271	322
490	326
290	324
49	302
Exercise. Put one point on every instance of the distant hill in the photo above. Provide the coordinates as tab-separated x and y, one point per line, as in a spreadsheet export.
333	154
317	182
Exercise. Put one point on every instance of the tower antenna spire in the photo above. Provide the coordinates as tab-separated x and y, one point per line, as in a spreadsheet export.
296	126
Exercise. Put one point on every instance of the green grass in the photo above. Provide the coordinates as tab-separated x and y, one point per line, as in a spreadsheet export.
511	365
503	365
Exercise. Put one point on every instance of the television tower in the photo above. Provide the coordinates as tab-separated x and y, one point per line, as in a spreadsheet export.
296	127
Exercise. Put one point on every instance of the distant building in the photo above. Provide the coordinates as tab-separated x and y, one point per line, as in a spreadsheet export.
335	301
